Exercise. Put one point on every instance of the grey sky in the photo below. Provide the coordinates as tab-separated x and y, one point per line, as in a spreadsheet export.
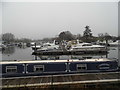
119	31
37	20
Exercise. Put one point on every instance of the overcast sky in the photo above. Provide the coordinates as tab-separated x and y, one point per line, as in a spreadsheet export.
37	20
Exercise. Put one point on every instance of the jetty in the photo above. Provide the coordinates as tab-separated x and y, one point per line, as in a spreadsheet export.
65	52
64	81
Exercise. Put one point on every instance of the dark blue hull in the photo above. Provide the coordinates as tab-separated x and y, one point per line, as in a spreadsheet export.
55	68
57	73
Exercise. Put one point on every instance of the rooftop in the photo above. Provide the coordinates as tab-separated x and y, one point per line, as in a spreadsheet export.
51	61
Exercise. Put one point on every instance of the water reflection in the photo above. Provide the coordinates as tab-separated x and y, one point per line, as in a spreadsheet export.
11	49
8	50
17	53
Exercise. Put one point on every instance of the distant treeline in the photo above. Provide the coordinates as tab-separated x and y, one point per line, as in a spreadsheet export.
65	35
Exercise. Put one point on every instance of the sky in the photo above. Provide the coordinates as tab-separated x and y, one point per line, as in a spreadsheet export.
38	20
118	19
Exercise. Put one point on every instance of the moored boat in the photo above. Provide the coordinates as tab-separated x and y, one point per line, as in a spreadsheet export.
2	46
36	47
51	67
116	43
48	46
86	46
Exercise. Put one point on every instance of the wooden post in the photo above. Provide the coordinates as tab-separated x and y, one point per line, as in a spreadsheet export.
52	82
35	51
106	48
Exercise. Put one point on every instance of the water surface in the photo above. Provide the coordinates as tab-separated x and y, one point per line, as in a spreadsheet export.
25	53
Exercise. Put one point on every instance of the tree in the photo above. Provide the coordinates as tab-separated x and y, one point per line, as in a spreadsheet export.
66	35
87	35
104	36
107	36
78	36
118	38
101	36
26	40
8	37
87	32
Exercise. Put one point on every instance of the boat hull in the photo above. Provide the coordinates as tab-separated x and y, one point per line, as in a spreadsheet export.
38	68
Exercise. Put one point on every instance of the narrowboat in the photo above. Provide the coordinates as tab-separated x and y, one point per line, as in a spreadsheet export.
52	67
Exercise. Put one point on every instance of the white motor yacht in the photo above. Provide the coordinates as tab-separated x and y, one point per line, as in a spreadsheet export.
86	46
48	46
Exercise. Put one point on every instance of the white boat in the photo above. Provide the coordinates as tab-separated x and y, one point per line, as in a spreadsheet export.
117	43
2	46
86	46
48	46
36	47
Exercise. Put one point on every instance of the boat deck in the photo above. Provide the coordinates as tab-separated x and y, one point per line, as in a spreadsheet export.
58	61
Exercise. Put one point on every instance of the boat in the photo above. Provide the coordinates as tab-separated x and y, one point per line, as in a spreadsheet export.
19	68
86	46
71	49
48	46
116	43
2	47
45	46
36	47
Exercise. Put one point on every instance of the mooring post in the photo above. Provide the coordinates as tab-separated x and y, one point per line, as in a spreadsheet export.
52	82
35	51
106	46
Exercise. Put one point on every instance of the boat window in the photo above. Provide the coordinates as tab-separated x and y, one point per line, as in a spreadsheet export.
104	66
86	45
11	69
81	67
38	68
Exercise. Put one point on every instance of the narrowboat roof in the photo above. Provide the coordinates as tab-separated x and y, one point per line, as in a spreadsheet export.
53	61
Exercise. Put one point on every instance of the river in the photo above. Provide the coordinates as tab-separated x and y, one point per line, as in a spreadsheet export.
25	53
